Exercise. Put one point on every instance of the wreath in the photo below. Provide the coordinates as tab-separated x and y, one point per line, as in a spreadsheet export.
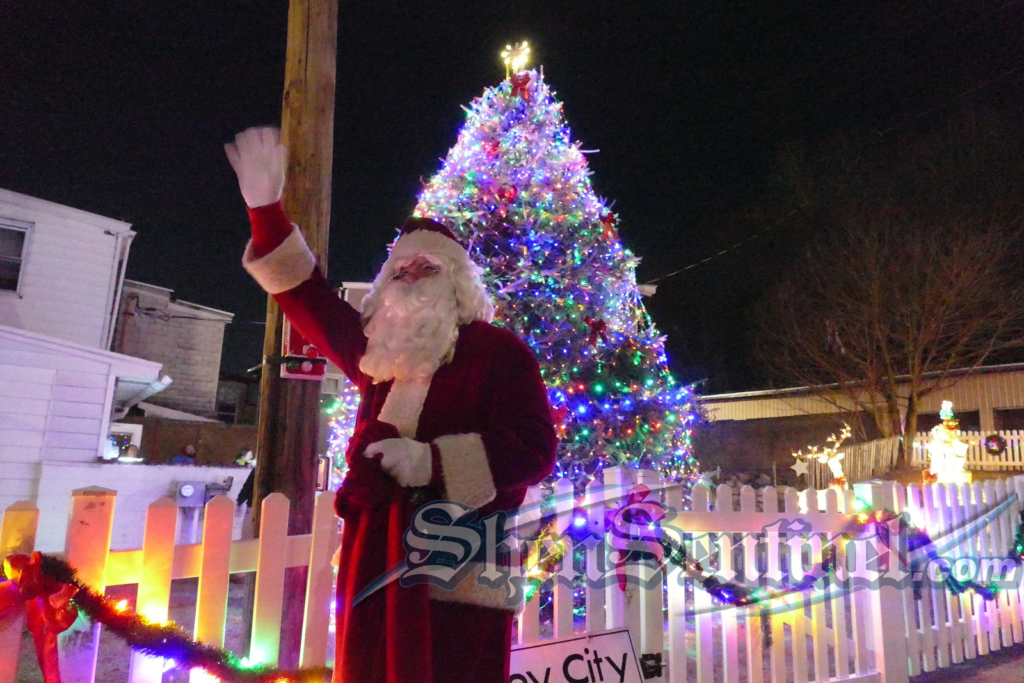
995	444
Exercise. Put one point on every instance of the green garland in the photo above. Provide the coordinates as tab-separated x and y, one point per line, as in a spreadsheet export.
167	640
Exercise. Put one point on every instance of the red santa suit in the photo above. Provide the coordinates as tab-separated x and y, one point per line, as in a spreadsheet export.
486	417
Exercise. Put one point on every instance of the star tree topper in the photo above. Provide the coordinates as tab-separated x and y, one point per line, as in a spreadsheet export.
515	58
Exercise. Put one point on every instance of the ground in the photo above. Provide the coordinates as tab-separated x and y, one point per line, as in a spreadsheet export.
1005	666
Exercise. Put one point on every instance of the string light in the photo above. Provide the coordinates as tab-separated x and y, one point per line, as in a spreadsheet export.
342	415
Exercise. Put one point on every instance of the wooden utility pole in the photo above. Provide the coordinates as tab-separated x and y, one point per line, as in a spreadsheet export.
289	409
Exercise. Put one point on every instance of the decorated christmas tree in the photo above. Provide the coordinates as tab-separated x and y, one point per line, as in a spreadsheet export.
516	189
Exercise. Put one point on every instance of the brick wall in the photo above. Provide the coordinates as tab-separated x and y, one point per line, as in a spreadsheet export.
187	339
216	444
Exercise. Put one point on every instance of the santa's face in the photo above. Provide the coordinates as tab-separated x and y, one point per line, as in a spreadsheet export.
415	324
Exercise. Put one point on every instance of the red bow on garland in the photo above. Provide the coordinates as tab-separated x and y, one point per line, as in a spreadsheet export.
597	328
633	529
519	83
47	605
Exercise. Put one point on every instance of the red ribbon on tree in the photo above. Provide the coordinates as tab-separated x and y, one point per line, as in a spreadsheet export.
597	328
47	605
519	83
558	415
609	221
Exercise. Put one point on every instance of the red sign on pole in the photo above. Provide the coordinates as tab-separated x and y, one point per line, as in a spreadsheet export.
301	359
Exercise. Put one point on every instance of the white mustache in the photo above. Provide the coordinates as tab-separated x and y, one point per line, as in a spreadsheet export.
413	331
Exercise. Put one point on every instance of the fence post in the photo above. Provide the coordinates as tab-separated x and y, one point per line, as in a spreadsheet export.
888	625
562	617
527	522
155	583
86	550
623	606
676	602
701	548
17	537
214	573
730	640
320	588
652	619
266	614
596	555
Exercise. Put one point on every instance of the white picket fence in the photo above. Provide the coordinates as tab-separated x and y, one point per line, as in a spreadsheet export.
159	561
823	634
977	457
829	632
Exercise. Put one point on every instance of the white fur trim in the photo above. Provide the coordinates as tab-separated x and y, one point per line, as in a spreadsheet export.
403	406
426	242
470	592
285	268
467	474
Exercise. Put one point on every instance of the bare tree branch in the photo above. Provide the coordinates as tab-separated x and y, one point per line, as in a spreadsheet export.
911	282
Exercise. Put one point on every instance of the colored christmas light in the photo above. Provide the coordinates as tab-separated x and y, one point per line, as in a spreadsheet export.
342	414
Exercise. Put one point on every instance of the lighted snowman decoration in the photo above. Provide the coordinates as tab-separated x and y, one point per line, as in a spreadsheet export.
947	452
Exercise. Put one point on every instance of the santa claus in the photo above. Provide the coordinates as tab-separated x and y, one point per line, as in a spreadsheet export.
451	406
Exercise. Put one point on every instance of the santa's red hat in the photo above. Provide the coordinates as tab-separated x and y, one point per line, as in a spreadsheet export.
426	236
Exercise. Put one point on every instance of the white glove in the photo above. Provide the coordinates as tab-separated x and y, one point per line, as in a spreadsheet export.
406	460
259	160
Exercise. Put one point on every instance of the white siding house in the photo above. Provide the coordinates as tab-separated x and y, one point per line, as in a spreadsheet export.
60	269
61	272
56	400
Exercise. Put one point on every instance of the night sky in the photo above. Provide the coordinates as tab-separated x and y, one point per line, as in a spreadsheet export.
122	108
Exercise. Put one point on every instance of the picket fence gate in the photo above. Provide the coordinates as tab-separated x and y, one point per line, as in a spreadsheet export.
829	633
977	457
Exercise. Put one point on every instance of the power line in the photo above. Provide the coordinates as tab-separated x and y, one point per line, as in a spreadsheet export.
793	212
749	238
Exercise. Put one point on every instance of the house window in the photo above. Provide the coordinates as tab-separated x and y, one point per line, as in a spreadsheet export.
1008	419
227	411
331	386
13	235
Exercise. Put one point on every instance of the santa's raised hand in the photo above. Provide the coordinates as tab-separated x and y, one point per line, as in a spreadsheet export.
260	161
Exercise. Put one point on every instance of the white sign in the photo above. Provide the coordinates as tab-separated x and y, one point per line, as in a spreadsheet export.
595	658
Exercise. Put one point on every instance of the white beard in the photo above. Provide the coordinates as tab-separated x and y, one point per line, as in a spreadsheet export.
413	331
